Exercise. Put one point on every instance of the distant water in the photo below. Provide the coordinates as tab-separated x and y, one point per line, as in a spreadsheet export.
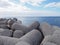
50	20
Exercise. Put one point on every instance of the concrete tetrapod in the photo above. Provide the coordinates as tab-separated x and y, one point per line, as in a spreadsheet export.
4	40
46	29
19	22
3	26
25	29
49	43
34	37
56	27
18	33
10	22
3	22
34	25
46	39
23	43
5	32
55	38
17	26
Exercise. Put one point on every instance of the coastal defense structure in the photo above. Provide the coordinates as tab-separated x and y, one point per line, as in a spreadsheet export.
18	33
14	32
33	37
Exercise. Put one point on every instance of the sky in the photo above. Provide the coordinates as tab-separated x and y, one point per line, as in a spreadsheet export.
13	8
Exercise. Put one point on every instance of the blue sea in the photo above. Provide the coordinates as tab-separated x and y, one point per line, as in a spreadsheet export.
50	20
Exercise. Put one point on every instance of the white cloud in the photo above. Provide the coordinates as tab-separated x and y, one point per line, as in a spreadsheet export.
29	13
12	9
53	4
6	5
57	4
32	2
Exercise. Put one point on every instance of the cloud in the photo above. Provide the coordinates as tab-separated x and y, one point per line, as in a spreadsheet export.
53	4
57	4
10	9
31	13
6	5
32	2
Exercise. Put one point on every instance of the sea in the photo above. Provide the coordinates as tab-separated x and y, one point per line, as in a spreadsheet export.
51	20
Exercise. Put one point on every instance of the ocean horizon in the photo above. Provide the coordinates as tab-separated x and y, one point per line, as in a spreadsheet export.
51	20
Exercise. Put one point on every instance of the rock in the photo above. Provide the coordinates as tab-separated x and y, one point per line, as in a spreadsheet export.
49	43
8	40
3	22
34	37
1	41
18	34
56	27
15	19
10	22
46	39
46	28
23	43
55	38
25	29
17	26
34	25
5	32
3	19
19	22
3	26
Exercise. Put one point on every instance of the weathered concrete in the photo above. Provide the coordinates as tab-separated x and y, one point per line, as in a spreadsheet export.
34	25
49	43
8	40
56	27
56	37
10	22
5	32
23	43
17	26
18	33
19	22
25	29
46	28
3	22
33	34
34	37
46	39
3	26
